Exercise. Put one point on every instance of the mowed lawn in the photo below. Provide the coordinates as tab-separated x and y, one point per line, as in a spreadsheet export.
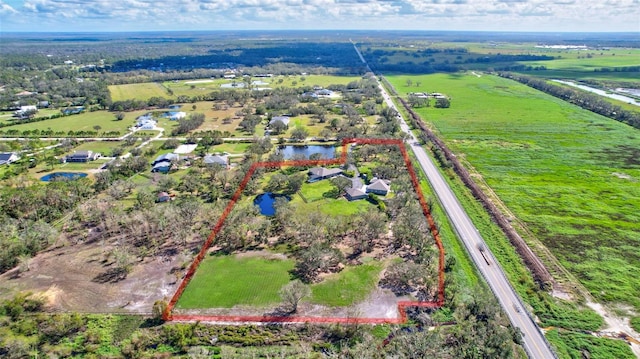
348	287
570	175
227	281
143	91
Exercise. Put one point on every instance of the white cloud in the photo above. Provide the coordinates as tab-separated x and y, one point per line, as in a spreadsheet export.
526	15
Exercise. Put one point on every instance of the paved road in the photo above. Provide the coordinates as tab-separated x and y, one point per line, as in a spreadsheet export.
534	341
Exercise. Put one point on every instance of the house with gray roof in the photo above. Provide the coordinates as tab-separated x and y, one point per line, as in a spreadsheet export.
354	194
378	186
211	160
320	173
8	157
162	167
82	156
284	119
168	157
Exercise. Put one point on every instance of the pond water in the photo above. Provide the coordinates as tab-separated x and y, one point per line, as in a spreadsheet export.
266	202
62	175
290	151
626	99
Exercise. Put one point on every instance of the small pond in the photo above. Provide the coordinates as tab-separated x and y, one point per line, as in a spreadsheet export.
62	175
266	202
289	151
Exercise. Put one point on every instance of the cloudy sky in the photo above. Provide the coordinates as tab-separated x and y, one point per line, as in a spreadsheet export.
485	15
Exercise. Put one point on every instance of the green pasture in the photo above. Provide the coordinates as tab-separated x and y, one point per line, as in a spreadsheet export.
348	287
569	174
330	206
314	191
142	91
81	122
230	147
227	281
102	147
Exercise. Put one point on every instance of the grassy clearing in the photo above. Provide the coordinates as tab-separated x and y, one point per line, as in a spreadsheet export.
334	207
103	147
348	287
230	147
227	281
81	122
143	91
570	175
574	345
314	191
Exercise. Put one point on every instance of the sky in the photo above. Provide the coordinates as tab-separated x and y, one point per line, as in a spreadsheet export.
186	15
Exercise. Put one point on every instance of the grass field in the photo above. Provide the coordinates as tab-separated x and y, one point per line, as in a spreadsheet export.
348	287
82	122
226	281
314	191
570	175
143	91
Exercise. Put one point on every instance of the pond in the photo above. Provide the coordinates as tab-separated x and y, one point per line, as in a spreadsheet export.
289	151
267	201
62	175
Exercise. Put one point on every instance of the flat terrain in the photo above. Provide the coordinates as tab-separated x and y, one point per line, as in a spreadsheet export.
143	91
569	174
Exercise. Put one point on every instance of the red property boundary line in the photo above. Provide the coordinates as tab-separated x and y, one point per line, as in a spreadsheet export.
168	315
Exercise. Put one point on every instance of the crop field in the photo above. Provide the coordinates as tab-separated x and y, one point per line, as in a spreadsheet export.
143	91
569	174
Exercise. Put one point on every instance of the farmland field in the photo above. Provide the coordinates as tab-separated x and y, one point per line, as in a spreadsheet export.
143	91
569	174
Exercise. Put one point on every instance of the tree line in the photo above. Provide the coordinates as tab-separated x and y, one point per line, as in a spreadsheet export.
588	101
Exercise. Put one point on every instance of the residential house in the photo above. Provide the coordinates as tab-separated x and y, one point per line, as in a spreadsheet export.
168	157
82	156
25	110
211	160
8	157
163	197
73	110
324	93
378	186
320	173
146	122
175	116
354	194
43	104
162	166
284	119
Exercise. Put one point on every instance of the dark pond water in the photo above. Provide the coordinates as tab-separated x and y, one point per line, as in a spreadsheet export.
266	202
62	175
290	151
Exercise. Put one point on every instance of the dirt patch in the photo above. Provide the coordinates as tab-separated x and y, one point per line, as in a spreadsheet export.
65	276
616	326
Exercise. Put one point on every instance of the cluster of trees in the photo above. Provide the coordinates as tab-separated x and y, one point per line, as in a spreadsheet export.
188	124
26	214
591	102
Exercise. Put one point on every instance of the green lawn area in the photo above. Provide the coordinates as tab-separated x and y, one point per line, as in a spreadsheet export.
102	147
348	287
81	122
313	191
334	207
230	147
142	91
569	174
226	281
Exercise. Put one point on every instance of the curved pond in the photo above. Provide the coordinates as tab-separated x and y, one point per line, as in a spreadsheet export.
62	176
267	201
289	151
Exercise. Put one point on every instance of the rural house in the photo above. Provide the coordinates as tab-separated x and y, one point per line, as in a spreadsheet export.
8	157
320	173
82	156
210	160
162	167
284	119
167	157
378	186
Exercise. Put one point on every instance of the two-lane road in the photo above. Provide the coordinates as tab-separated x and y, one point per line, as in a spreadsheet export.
533	339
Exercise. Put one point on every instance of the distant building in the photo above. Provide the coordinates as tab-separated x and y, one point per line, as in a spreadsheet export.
284	119
175	116
8	157
216	160
82	156
163	197
168	157
73	110
162	167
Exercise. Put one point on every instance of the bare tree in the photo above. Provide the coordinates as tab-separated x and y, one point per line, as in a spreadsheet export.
292	293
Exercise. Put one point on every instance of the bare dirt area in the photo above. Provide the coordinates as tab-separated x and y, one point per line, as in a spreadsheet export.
81	278
617	327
